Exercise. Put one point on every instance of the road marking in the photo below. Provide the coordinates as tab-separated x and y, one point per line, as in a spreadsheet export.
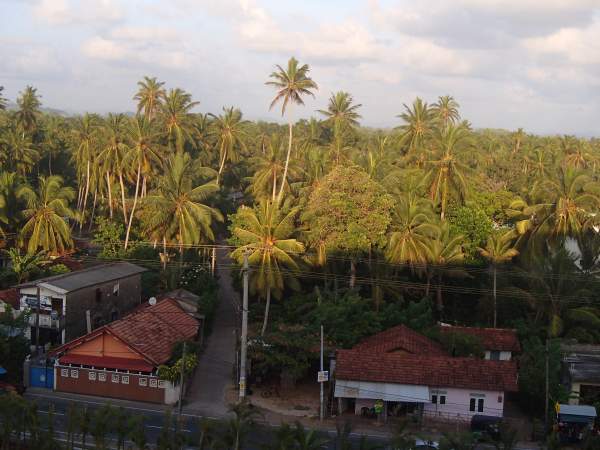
53	412
160	428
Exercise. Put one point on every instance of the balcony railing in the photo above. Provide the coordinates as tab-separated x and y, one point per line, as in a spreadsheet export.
47	321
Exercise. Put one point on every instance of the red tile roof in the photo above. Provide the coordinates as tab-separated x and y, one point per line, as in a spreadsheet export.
107	362
440	371
400	338
154	330
10	296
501	339
151	331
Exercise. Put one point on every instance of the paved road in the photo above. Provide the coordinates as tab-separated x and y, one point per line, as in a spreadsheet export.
214	373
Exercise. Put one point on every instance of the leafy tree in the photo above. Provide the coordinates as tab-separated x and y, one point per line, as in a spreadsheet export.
46	227
291	84
3	100
108	236
349	213
137	432
265	235
22	154
24	265
458	441
236	430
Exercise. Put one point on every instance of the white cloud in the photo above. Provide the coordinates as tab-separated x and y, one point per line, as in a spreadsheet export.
62	12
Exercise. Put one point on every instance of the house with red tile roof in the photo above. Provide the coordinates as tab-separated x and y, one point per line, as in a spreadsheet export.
121	359
498	343
410	372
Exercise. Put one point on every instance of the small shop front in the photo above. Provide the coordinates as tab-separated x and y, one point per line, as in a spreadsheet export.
573	422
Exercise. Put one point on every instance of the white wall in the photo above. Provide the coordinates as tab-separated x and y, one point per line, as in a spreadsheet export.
458	403
171	393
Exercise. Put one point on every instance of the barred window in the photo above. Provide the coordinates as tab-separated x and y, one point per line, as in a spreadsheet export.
92	376
101	376
162	384
114	378
74	373
64	373
153	382
125	379
143	382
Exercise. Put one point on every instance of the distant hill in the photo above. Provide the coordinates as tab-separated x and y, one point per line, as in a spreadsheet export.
11	106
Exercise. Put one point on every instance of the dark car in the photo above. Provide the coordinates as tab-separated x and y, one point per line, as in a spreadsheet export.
486	427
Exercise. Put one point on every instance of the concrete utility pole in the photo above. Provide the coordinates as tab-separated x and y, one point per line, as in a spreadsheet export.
244	337
321	409
181	379
37	319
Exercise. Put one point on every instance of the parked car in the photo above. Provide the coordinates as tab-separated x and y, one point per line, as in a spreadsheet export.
486	427
421	444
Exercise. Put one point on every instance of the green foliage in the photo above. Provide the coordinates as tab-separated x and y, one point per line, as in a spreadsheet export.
57	269
109	235
475	225
14	347
172	373
348	212
459	344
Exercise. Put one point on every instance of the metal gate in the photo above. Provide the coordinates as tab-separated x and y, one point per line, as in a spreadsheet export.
41	376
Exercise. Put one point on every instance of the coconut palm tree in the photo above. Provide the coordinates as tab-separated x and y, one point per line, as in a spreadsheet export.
560	206
444	252
446	110
111	156
28	110
46	211
419	124
413	227
9	202
265	234
149	96
307	439
228	130
236	430
142	155
21	152
341	112
447	172
176	211
177	118
498	250
55	132
291	84
86	141
268	167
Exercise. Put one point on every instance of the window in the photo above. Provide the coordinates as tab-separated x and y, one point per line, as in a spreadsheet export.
472	404
125	379
434	399
143	382
102	376
92	376
442	399
74	373
116	290
114	378
153	382
495	355
480	405
162	384
98	295
64	373
114	316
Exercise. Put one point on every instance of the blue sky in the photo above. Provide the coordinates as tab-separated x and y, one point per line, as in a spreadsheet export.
510	63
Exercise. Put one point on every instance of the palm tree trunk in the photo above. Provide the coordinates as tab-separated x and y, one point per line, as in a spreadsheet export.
85	195
93	210
110	205
495	304
222	163
50	163
274	193
352	273
287	161
123	197
135	199
267	306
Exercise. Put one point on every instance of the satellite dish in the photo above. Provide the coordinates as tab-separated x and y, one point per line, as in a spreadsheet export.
152	301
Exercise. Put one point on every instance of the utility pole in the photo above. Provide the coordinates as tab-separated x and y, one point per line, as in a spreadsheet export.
181	379
547	386
37	319
244	338
321	410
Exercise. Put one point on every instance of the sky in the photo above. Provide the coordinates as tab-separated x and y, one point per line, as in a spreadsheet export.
533	64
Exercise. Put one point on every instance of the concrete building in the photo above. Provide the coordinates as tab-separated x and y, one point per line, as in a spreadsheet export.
411	373
74	303
581	372
121	359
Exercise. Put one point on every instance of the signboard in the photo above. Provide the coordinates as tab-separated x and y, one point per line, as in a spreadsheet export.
322	376
378	406
31	301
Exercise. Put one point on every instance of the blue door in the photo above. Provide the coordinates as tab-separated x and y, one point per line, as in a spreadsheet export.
41	377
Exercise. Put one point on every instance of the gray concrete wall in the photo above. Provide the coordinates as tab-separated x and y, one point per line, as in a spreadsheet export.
101	310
